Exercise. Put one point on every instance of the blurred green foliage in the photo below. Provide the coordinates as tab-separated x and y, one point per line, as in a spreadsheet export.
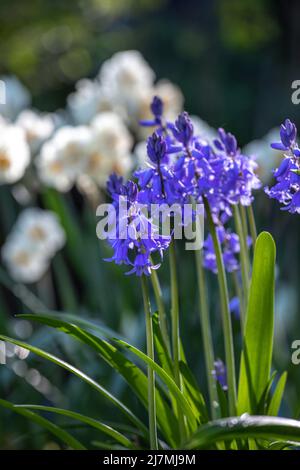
234	59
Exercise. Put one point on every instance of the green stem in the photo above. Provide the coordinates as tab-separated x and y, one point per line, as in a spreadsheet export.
239	294
175	330
161	308
252	225
151	374
244	257
226	318
174	313
244	221
206	335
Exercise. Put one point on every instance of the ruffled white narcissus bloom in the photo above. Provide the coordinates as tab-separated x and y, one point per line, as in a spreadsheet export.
124	73
38	127
22	262
17	97
112	145
14	153
89	99
171	97
64	157
33	241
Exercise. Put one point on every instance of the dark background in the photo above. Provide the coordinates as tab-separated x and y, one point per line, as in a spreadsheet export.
234	59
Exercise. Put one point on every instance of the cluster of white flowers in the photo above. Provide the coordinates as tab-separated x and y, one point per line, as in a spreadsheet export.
100	128
14	153
35	238
125	85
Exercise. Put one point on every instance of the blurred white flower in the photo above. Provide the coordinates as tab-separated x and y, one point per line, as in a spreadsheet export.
64	157
124	73
140	107
17	97
14	154
38	127
202	129
24	264
140	154
89	99
112	145
3	121
266	157
33	241
42	229
171	96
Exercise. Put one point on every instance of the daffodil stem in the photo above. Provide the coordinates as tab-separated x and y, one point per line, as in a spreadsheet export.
151	374
175	330
225	312
161	308
206	335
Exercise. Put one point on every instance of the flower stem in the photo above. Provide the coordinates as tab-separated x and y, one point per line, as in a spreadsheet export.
239	294
226	318
175	330
161	308
244	222
206	335
151	374
174	313
252	225
244	257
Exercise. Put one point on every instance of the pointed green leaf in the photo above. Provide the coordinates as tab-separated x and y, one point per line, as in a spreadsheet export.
178	395
136	379
276	399
259	328
60	433
245	427
65	365
104	428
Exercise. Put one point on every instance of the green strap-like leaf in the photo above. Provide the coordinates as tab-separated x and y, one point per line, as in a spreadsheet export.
192	393
178	395
133	375
276	399
82	376
97	327
245	427
83	419
259	328
60	433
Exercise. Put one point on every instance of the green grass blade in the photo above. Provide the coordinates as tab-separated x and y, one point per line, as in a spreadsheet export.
104	428
245	427
165	377
60	433
96	326
276	399
65	365
135	378
160	346
192	393
259	328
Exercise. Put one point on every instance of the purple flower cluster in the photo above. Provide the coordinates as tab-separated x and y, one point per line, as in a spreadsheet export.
182	168
136	238
287	175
